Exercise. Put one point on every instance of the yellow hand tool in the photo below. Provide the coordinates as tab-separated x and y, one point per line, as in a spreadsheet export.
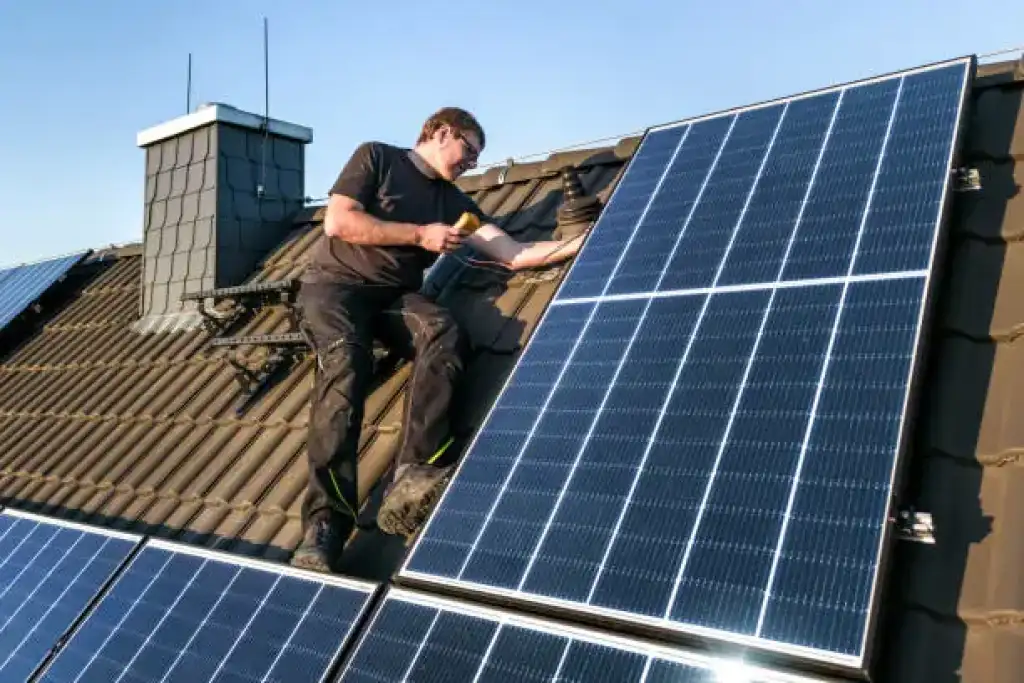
468	222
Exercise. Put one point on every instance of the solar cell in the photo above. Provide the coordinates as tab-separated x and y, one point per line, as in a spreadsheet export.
184	614
414	637
21	285
50	570
703	434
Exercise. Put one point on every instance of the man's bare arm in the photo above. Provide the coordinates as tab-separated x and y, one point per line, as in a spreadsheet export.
347	220
497	244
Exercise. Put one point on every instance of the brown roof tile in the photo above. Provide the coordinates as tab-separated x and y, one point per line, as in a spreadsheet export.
976	397
972	572
984	289
997	123
996	212
932	650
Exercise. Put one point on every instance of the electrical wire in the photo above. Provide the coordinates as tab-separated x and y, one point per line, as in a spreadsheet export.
1019	49
567	148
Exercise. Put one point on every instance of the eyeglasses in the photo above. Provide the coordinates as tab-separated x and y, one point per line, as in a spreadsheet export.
472	152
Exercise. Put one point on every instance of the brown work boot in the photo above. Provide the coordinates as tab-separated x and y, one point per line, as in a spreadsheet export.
411	497
322	543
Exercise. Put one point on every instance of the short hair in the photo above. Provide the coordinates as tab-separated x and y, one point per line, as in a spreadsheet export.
460	120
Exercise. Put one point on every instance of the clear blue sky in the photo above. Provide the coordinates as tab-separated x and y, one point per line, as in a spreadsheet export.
80	79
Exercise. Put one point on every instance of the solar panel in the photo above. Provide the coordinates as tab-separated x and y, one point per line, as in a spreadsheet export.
21	285
703	433
50	570
181	614
415	637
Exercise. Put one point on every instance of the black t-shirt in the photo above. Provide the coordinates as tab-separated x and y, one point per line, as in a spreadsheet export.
392	184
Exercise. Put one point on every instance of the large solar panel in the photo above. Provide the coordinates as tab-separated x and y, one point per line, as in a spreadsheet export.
21	285
415	637
180	614
50	571
703	434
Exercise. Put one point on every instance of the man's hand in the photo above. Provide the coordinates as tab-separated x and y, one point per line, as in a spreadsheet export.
439	237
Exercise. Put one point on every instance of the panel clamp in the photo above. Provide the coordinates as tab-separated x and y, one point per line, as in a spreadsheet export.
966	179
914	525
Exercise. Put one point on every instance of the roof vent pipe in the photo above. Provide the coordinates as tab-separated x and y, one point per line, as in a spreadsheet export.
578	209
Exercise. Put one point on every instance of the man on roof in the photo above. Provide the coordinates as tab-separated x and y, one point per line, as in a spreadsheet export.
391	213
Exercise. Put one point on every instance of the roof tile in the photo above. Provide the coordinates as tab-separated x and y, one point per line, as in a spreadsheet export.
984	290
976	399
972	571
993	655
997	124
996	211
930	650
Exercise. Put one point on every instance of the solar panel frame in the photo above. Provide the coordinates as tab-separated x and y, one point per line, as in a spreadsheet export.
368	589
598	615
724	662
31	281
136	539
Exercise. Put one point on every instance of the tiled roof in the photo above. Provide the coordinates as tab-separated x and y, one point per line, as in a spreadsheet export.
139	431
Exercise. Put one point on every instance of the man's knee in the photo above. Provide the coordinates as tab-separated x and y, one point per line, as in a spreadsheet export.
445	341
344	372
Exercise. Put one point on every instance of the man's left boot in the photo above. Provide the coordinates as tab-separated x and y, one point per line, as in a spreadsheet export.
411	497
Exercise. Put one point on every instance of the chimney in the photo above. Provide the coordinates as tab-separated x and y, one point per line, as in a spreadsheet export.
219	187
578	209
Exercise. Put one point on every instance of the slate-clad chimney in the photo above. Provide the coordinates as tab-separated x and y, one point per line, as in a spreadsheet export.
218	190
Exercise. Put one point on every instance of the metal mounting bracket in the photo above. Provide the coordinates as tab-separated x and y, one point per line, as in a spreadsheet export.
914	525
966	179
216	321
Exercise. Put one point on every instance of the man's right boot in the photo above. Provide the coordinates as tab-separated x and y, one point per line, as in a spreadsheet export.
322	543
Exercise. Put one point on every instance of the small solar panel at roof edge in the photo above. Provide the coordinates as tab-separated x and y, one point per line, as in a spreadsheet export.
415	637
702	435
50	571
21	285
179	614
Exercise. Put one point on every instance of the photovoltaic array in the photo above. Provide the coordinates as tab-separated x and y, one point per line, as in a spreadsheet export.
703	434
21	285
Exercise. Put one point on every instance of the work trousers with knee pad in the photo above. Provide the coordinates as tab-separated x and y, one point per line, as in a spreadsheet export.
341	322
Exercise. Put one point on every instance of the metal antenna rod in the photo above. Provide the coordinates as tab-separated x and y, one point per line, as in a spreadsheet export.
262	188
188	86
266	73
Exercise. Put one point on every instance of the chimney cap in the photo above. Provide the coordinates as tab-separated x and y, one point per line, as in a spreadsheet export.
213	112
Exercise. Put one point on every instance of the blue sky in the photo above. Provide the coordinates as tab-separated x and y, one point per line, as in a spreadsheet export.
79	79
